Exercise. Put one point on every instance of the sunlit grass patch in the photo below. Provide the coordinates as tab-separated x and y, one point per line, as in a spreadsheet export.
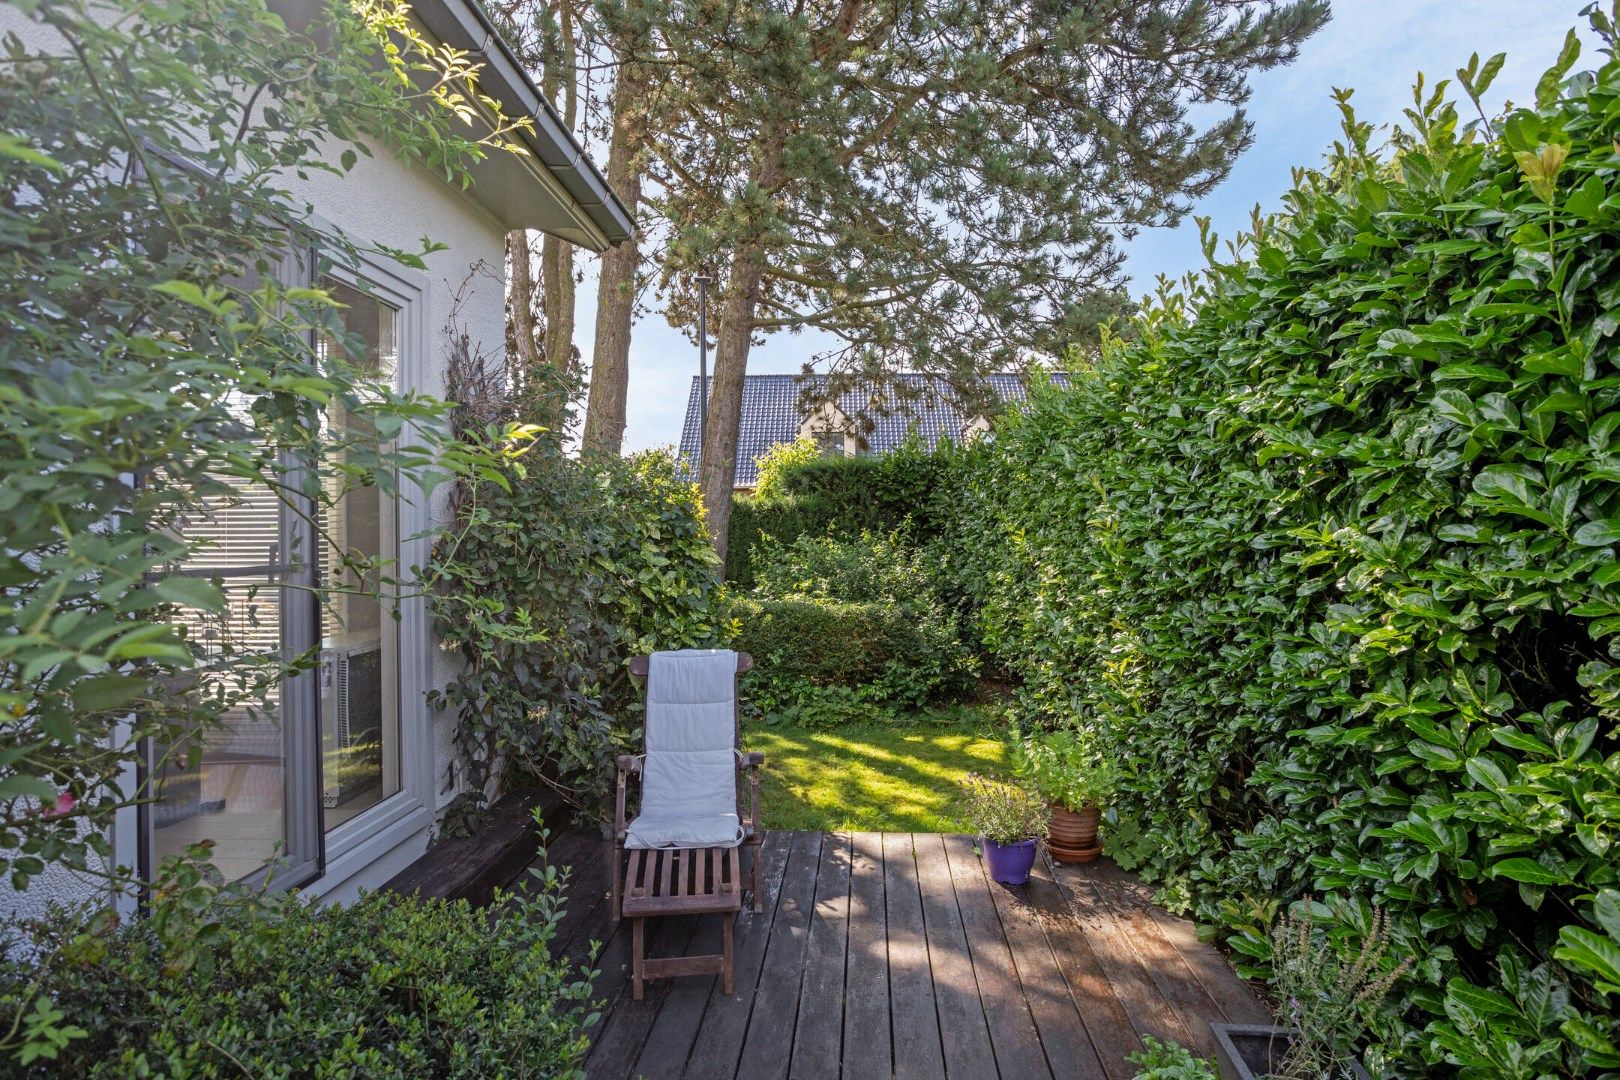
872	776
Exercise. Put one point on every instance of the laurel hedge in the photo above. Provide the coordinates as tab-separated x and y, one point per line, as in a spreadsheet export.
1325	559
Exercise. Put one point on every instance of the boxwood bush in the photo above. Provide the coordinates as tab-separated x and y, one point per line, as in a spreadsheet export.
389	986
1324	559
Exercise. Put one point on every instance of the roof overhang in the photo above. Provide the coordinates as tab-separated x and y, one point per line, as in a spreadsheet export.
555	188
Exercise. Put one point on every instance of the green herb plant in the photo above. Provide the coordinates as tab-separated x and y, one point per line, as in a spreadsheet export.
1002	812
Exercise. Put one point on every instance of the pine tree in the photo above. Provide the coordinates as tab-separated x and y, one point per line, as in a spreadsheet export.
941	184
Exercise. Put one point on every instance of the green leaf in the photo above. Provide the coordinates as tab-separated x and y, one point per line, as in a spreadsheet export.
1528	871
14	147
1547	86
1599	533
1597	954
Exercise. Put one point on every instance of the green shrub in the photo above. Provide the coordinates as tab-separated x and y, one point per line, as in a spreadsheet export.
828	661
389	986
1170	1061
1063	766
1325	561
802	493
846	629
548	589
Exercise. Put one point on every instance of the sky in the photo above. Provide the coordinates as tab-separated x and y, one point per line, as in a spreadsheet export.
1373	46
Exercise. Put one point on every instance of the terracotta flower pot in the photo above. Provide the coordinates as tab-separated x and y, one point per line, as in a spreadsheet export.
1073	838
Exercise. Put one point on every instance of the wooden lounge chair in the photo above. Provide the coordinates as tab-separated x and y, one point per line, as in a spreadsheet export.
680	855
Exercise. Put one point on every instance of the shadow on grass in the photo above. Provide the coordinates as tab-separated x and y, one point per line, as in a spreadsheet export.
901	778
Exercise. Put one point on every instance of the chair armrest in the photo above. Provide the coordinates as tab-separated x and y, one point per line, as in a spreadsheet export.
627	764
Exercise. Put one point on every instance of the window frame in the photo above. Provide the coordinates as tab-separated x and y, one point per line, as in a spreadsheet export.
317	860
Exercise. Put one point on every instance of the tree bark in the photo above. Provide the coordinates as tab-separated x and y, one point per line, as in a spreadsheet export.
557	255
524	332
718	467
557	272
616	289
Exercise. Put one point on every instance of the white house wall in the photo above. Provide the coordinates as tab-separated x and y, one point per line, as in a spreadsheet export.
387	201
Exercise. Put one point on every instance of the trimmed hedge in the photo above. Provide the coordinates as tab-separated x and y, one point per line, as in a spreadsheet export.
1325	561
849	630
389	986
804	494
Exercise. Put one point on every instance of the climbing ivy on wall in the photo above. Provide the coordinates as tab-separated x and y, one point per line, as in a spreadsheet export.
1324	559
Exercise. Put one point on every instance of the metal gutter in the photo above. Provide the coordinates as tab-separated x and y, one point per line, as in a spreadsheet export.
463	24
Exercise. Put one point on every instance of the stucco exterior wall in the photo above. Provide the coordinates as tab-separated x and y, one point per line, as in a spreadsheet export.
388	201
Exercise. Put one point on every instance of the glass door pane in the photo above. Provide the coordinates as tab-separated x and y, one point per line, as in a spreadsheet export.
227	783
358	681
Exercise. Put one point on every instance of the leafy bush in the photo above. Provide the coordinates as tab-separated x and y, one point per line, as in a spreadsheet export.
1169	1061
848	629
1325	562
802	493
1063	768
388	986
547	589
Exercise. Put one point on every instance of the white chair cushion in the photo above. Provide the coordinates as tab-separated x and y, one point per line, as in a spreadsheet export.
689	774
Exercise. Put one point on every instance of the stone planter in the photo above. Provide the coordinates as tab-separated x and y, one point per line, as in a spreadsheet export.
1252	1051
1073	836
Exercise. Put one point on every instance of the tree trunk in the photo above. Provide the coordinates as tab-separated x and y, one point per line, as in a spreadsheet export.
557	272
616	290
524	331
557	255
732	342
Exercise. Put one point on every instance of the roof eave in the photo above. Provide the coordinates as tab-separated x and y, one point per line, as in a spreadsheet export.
463	24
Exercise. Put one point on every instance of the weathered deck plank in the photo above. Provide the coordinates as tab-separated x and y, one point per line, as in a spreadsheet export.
819	1036
1012	1029
963	1035
895	956
914	1016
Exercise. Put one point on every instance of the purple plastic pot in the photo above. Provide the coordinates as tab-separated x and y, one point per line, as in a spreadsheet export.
1009	863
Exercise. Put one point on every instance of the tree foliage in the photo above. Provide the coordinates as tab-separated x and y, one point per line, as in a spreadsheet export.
547	585
940	184
1325	562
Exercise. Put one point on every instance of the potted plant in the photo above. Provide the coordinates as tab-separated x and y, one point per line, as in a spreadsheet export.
1322	999
1010	820
1075	783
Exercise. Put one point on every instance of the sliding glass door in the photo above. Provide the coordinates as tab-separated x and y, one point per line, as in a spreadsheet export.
359	677
302	756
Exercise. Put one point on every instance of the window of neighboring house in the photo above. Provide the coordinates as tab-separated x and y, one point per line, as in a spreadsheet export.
321	749
830	443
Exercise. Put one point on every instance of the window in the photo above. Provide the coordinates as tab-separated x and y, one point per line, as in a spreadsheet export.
309	767
830	443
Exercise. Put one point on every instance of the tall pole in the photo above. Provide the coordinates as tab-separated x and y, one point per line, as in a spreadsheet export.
704	280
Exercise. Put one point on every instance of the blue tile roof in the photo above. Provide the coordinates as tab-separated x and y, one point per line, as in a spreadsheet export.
771	414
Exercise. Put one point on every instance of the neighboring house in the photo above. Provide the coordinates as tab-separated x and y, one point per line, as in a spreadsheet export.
772	414
344	774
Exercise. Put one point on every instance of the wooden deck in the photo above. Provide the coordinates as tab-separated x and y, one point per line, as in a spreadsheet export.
894	955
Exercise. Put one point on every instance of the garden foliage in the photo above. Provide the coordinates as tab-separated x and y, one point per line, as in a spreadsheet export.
153	348
547	587
848	630
388	986
802	493
1325	562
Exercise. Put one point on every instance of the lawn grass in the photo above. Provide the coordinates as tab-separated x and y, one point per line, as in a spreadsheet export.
872	777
